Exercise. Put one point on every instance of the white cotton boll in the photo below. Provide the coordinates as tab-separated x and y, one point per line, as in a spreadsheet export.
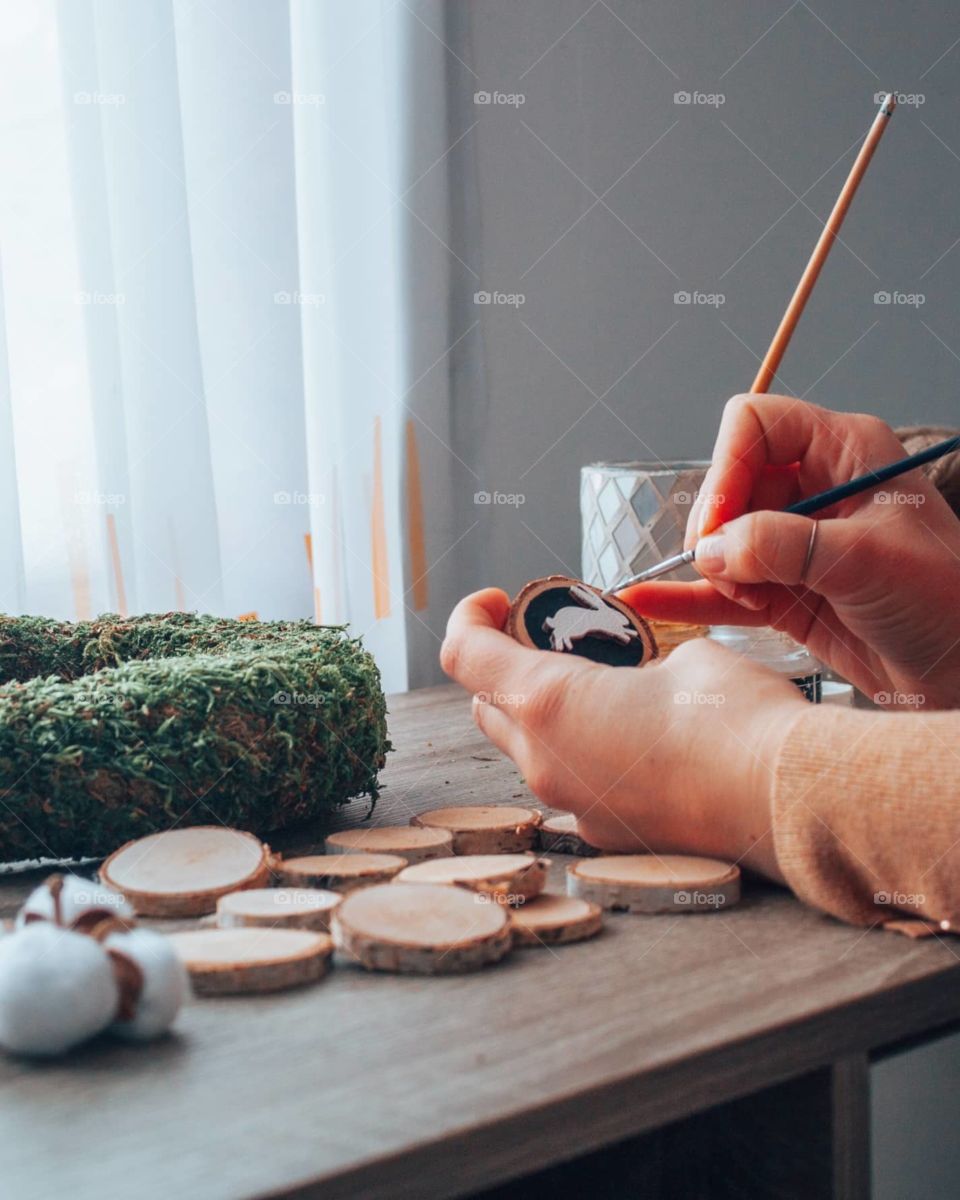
57	989
77	898
165	982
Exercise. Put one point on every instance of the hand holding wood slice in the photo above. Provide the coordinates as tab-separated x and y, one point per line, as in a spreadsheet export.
224	962
278	908
570	617
183	872
651	883
338	872
504	878
406	841
421	928
485	828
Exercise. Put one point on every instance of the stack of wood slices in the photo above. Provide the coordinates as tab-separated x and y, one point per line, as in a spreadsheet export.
456	889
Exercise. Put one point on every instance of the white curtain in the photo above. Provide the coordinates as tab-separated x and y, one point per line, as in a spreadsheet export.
205	378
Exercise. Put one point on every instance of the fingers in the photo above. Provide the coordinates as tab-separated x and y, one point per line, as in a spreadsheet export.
768	547
477	654
500	728
699	603
761	437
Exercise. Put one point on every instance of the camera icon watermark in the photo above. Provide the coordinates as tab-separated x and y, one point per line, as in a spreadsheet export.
899	699
698	299
910	99
704	99
105	99
505	99
899	899
700	699
509	499
305	299
509	299
306	99
900	299
900	499
306	499
693	899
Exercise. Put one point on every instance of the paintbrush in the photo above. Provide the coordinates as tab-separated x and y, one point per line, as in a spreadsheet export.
813	504
781	339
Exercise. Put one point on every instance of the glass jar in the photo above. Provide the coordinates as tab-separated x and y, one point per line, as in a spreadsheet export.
775	650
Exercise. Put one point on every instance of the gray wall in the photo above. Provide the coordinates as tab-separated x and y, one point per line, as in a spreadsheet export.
541	389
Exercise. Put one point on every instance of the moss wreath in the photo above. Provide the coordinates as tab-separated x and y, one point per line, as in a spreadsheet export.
115	728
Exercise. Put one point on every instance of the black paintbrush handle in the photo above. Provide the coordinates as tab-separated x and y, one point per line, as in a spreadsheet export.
863	483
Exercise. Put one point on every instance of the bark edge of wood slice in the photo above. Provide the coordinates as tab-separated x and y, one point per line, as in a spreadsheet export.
560	834
225	962
413	843
183	872
502	878
421	929
650	883
277	908
338	872
485	828
553	920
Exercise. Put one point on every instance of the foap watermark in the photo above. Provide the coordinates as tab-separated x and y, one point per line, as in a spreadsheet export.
900	299
910	99
704	99
304	499
709	498
505	99
704	699
307	699
510	499
307	99
112	499
306	299
899	699
101	298
99	898
700	299
899	899
107	99
508	899
508	299
900	499
501	699
696	899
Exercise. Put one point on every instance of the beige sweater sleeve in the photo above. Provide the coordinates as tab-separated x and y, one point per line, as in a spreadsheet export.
866	814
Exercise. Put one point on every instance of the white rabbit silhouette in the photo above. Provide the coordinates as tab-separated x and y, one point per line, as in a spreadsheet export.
594	619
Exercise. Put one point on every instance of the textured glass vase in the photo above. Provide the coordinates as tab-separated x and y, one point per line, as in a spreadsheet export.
633	515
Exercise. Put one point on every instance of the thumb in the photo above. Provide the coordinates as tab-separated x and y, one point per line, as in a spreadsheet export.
773	547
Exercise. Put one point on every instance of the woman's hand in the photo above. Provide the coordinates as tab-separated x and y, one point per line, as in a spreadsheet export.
675	756
877	597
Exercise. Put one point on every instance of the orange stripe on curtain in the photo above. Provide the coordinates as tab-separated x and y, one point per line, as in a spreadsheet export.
317	610
378	534
116	565
415	534
73	533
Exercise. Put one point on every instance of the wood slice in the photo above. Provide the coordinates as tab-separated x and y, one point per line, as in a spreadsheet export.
671	634
649	883
561	835
485	828
224	962
549	920
506	878
183	872
278	908
421	928
338	872
407	841
567	616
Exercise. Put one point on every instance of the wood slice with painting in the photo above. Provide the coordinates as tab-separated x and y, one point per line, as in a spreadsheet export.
506	878
422	928
222	962
561	835
485	828
278	908
406	841
651	883
570	617
183	872
338	872
550	920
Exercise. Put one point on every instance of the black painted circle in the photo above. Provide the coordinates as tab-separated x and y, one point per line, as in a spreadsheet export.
598	649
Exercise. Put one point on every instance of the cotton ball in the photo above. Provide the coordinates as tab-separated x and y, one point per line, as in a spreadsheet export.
56	989
163	983
74	902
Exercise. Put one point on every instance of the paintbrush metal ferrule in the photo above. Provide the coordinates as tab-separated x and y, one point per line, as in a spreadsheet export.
662	568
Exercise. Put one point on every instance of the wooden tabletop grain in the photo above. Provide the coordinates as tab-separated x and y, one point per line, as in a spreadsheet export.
381	1086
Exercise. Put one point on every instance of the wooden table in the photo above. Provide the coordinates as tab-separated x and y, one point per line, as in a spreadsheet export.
735	1042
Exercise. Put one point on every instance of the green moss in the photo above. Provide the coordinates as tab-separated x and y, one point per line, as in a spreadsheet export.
114	728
